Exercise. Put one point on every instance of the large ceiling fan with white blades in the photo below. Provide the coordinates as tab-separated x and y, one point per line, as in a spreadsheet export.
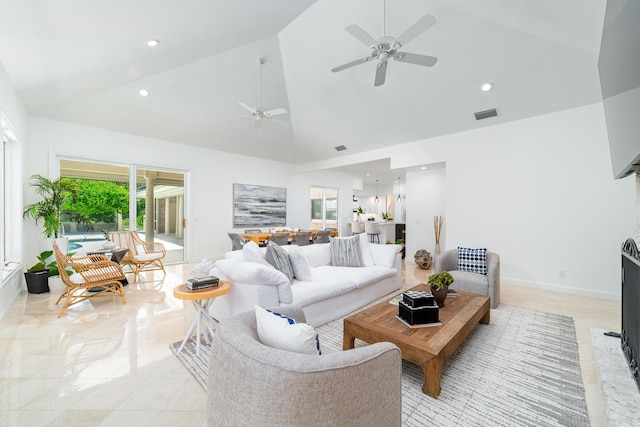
259	113
387	47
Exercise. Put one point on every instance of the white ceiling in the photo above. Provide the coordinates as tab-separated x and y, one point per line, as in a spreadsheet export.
84	62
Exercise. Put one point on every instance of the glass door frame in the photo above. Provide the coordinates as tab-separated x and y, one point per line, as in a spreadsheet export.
54	168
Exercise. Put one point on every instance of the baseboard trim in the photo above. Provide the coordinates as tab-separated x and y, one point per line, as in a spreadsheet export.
563	289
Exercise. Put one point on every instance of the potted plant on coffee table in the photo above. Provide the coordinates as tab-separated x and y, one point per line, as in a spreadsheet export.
439	284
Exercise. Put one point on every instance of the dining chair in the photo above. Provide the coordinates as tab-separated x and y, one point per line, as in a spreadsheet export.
301	238
261	243
322	236
237	242
279	238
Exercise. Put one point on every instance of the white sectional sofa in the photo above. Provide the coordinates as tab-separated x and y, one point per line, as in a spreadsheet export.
331	292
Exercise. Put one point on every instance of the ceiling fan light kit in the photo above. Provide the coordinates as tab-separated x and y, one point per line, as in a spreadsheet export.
387	47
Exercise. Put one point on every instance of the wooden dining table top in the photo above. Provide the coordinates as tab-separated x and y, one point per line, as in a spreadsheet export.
258	237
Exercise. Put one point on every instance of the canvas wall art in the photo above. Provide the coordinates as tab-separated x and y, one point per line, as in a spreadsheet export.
259	206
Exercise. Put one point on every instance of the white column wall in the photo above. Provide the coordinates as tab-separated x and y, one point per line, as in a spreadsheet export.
426	198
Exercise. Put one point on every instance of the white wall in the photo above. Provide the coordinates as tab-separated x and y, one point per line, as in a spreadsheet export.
539	192
212	174
12	108
426	199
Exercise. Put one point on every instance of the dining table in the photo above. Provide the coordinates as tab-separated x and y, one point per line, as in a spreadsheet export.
261	237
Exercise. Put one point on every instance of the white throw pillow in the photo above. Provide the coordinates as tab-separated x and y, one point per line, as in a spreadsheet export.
281	332
299	263
365	252
252	253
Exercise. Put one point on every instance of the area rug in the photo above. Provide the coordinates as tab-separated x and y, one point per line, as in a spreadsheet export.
520	370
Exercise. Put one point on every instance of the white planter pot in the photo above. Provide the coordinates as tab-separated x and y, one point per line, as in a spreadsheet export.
45	245
55	285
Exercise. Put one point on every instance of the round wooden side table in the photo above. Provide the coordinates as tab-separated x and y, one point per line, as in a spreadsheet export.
204	323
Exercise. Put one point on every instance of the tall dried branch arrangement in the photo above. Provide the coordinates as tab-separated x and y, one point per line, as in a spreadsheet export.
437	227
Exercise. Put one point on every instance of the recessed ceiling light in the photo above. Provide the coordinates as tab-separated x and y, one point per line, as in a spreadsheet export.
143	92
423	168
368	174
487	87
153	43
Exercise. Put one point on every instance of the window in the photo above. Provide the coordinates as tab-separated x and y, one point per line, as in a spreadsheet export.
10	212
324	208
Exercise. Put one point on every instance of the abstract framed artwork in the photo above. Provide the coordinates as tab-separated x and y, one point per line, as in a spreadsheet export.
259	206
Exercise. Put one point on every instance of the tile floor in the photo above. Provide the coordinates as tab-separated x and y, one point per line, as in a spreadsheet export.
108	364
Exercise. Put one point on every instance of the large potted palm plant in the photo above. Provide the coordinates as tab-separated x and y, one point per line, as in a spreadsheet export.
49	212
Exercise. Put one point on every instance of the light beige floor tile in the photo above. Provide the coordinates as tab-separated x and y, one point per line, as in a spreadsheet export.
180	418
120	418
112	359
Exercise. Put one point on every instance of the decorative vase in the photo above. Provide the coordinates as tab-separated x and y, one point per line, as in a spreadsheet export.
108	245
436	252
440	295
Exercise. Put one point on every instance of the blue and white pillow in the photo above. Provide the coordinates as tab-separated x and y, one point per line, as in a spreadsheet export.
279	331
473	260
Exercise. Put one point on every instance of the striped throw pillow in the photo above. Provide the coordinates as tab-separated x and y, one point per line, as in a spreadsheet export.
279	258
473	260
345	251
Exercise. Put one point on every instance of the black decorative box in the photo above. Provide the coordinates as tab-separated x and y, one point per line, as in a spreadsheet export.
207	282
417	298
418	315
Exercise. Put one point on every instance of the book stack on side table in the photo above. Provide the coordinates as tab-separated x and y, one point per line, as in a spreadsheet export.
206	282
418	308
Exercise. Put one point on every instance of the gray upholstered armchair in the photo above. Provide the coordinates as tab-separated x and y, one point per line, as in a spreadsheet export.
251	384
488	285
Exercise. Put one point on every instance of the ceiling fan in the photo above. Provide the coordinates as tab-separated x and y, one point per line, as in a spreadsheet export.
387	47
259	113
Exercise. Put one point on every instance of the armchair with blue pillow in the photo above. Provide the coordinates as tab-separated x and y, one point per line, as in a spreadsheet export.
474	270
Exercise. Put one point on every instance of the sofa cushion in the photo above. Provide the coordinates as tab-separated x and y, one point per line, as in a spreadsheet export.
345	251
282	332
317	254
279	258
327	282
385	255
473	282
472	260
299	263
252	273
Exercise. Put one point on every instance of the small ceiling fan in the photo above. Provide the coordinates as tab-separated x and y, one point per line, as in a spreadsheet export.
387	47
259	113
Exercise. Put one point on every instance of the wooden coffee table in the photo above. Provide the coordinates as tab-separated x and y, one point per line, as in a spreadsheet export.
426	347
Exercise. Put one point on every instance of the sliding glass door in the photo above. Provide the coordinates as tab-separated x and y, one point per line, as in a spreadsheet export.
127	197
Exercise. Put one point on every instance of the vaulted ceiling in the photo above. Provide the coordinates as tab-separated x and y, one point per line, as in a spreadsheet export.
85	62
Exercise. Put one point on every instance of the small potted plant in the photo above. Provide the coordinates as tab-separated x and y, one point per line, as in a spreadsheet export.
38	275
439	284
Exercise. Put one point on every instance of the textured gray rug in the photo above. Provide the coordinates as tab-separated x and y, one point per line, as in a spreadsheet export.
520	370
